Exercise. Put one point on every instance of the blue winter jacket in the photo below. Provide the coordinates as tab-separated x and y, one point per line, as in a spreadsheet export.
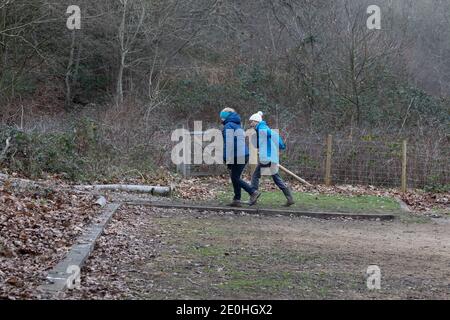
267	141
236	152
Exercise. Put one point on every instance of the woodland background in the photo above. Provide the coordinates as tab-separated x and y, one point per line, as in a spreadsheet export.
100	103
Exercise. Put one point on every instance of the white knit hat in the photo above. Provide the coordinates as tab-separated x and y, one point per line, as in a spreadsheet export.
257	117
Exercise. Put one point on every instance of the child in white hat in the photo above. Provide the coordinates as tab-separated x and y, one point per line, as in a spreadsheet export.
266	139
257	118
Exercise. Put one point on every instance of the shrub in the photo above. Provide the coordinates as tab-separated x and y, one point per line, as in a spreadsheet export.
33	153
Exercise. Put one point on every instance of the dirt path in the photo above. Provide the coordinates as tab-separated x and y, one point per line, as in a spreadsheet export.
150	253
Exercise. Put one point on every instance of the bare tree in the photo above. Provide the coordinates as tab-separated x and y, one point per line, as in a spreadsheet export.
361	57
131	23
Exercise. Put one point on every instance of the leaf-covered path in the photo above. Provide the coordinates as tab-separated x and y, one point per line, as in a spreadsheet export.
149	253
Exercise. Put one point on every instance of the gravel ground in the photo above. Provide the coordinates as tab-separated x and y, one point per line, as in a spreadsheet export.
150	253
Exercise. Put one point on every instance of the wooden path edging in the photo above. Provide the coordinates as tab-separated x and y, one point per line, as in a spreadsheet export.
58	277
320	215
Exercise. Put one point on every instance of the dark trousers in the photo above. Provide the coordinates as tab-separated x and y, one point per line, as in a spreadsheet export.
238	184
276	178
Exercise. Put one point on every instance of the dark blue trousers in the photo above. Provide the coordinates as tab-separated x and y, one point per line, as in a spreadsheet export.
276	178
238	184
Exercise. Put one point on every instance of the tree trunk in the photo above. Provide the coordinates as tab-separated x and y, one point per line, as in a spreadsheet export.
119	93
123	52
69	73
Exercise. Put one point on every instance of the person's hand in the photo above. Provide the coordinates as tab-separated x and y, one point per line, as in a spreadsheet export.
265	165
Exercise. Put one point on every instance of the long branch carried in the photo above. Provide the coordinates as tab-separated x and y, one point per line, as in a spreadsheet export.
294	176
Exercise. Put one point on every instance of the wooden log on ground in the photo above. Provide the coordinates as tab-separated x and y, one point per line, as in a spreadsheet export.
20	183
154	190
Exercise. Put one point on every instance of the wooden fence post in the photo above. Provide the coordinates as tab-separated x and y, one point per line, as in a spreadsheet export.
184	168
187	155
404	163
328	161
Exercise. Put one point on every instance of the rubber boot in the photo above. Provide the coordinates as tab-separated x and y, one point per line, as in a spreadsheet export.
254	198
290	199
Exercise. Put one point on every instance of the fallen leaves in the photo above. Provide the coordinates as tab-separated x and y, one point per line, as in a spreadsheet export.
205	188
115	269
36	230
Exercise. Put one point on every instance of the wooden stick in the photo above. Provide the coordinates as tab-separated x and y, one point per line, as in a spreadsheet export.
294	176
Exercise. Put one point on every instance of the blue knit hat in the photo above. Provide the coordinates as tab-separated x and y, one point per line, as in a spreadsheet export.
224	115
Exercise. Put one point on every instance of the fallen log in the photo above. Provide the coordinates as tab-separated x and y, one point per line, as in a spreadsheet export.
42	186
154	190
294	176
26	184
20	183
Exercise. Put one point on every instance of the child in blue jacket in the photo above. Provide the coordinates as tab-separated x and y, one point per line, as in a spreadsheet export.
268	143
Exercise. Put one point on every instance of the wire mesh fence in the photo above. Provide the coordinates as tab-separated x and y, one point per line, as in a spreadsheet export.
361	162
428	165
377	163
